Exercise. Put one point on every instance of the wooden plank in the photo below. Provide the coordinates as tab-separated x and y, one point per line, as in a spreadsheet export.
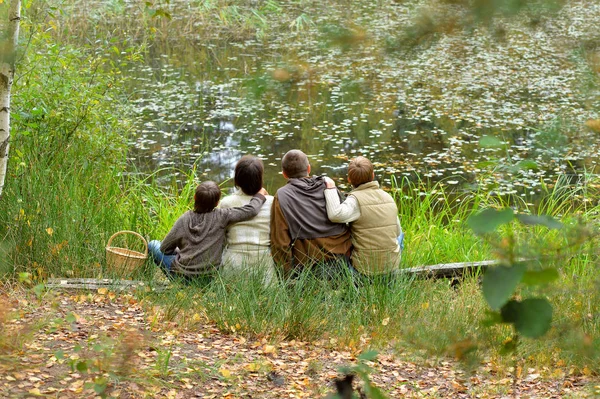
449	269
94	284
442	270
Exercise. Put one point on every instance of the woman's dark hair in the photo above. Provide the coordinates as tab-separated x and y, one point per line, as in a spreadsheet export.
249	174
207	197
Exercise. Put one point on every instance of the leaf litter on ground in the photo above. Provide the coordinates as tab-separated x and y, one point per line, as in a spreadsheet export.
86	344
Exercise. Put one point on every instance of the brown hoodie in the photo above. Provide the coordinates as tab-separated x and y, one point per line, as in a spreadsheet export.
301	233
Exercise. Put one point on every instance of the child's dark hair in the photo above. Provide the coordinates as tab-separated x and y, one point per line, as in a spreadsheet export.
249	174
360	171
295	164
207	197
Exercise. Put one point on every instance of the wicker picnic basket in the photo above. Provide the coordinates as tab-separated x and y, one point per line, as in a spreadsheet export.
123	260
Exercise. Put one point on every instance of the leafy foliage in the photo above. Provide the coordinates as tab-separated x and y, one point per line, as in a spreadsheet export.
70	129
489	220
531	317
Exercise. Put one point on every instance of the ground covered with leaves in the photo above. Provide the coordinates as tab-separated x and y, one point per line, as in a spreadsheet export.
73	345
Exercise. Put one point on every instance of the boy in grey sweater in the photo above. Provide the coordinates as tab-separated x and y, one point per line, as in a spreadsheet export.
195	243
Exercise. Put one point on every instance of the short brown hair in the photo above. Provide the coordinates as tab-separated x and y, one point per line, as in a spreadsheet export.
295	164
249	174
207	197
360	170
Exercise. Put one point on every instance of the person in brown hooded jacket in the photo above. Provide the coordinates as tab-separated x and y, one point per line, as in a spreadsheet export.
301	233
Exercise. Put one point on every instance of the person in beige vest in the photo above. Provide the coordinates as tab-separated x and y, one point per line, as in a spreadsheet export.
377	236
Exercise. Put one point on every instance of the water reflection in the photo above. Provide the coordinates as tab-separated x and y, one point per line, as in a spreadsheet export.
207	102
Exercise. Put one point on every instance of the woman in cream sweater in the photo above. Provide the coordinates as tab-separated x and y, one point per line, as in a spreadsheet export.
248	242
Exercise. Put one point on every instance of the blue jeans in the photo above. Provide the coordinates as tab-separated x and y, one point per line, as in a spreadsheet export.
160	259
401	241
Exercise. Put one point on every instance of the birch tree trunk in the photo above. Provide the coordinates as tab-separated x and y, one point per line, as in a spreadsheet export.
8	51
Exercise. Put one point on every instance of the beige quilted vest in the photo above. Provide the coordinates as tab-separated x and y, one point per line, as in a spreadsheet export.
375	232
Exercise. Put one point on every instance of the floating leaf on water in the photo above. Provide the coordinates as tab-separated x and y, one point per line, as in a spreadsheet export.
490	142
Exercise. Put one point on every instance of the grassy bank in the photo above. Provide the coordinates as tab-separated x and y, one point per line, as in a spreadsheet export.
424	318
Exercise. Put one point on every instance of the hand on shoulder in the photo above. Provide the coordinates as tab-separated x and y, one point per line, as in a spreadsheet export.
263	192
329	183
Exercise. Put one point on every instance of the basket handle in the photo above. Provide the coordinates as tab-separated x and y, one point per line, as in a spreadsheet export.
129	232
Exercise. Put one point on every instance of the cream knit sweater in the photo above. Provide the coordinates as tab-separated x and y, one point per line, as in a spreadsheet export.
248	243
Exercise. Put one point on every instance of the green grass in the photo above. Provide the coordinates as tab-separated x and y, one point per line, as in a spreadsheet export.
414	314
420	318
64	195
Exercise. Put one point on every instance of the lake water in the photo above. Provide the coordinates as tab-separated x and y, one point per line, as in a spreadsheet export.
421	114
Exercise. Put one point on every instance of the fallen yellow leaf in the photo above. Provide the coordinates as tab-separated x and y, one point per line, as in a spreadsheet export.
224	372
385	321
50	231
253	367
269	349
102	291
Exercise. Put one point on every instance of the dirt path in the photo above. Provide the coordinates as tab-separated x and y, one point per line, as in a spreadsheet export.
78	345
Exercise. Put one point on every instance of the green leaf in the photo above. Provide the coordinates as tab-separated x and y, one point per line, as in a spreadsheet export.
376	393
543	220
39	289
527	164
491	319
531	317
489	219
71	318
510	311
535	317
537	277
25	277
499	284
59	354
159	12
485	164
100	385
490	142
368	356
82	366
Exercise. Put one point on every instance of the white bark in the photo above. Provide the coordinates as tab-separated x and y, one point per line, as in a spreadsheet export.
8	51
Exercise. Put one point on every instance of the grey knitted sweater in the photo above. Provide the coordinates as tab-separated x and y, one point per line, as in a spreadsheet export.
197	239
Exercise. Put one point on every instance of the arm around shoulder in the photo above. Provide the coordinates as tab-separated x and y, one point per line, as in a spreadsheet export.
341	212
246	212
